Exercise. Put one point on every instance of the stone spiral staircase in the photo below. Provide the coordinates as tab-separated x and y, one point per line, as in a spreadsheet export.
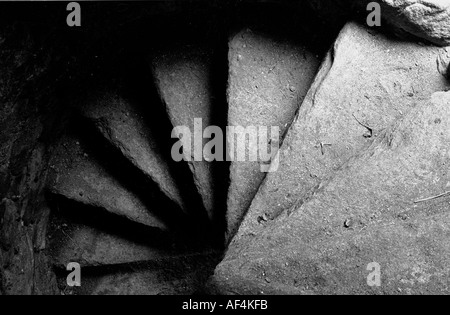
362	177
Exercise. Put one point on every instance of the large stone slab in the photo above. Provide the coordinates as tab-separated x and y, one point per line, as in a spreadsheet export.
366	83
183	78
80	177
421	19
122	122
268	80
426	19
388	206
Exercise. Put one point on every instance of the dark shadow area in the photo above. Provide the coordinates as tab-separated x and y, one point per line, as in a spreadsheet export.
285	21
67	212
130	177
221	169
142	91
194	25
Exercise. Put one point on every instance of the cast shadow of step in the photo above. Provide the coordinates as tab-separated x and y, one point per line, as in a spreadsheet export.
94	237
191	78
122	171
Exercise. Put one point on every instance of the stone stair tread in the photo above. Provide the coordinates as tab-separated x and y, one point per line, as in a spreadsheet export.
183	78
122	124
367	81
91	246
322	268
179	276
268	80
79	177
387	205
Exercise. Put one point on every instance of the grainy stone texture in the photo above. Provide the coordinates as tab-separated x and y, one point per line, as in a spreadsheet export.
443	63
184	275
268	80
96	246
122	122
388	205
426	19
183	78
79	177
366	83
24	98
40	63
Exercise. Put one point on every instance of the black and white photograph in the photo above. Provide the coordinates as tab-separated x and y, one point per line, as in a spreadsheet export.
224	152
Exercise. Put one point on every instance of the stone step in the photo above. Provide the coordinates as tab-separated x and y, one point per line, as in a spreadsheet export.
183	79
388	206
123	123
268	80
97	240
180	276
78	176
366	83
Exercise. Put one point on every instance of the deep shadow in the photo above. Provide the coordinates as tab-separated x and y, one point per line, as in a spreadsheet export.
130	177
66	211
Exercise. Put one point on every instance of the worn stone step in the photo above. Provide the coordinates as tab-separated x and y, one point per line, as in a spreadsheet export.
268	80
183	78
90	247
91	238
183	276
388	205
366	83
123	123
78	176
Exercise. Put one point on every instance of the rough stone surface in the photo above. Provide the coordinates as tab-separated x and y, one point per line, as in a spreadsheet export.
183	78
268	80
91	245
367	82
388	205
427	20
78	176
443	63
123	124
24	98
184	276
